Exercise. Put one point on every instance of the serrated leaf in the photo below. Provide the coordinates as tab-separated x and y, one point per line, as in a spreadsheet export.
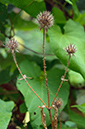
38	84
5	113
73	34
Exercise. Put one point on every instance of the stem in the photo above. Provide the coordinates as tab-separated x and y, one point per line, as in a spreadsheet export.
45	67
61	81
51	119
60	121
13	54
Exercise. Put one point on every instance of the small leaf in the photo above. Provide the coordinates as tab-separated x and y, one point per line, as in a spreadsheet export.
5	113
69	1
80	107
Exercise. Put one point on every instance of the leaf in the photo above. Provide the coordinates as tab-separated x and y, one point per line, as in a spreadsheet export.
80	107
76	79
73	34
3	17
38	84
35	43
5	75
75	8
21	24
59	17
79	120
69	1
5	113
30	6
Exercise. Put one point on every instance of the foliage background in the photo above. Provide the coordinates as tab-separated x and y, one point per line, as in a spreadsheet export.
18	18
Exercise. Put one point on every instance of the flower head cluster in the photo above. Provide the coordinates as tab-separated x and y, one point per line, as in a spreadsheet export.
45	19
12	44
71	49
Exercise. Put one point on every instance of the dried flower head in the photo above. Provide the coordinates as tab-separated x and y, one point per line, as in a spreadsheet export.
12	44
58	103
71	49
45	19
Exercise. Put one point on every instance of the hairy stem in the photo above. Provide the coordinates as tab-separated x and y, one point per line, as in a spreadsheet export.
13	54
51	119
45	67
61	81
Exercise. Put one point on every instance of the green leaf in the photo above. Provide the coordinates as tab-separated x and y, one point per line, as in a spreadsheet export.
5	75
58	16
31	7
3	17
5	113
21	24
69	1
80	107
35	43
38	84
76	79
75	8
73	34
79	120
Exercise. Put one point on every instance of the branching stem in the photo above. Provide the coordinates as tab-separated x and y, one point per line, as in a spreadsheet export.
13	54
45	67
61	81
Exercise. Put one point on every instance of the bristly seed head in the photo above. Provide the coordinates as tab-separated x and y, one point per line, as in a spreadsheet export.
12	44
58	103
71	49
45	19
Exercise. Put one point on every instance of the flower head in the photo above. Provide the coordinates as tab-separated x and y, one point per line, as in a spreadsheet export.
71	49
12	44
45	19
58	103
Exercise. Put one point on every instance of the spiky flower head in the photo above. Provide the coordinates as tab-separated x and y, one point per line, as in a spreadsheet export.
58	103
71	49
12	44
45	20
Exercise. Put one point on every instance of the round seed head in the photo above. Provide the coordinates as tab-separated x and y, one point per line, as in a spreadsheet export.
71	49
45	19
58	103
12	44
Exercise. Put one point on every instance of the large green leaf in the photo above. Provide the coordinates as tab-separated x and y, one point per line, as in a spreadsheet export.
73	34
5	113
30	6
38	84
